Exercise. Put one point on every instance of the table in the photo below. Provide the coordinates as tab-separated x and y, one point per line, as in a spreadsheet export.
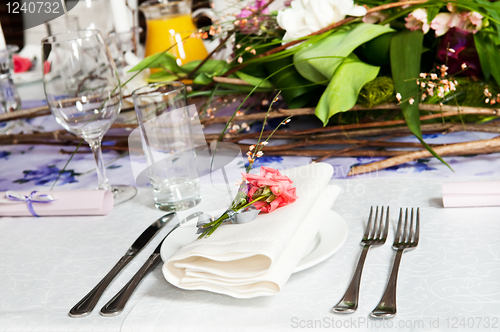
449	282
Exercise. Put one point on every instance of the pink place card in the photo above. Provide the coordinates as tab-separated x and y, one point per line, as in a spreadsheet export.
64	203
469	194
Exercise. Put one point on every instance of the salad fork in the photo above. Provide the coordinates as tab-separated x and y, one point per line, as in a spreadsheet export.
375	234
406	238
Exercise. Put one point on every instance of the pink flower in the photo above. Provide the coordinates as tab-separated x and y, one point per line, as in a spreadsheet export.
375	17
21	64
468	21
270	179
476	19
249	10
417	20
46	67
456	21
441	23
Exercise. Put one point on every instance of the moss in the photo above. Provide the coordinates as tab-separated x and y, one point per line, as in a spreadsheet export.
376	92
470	92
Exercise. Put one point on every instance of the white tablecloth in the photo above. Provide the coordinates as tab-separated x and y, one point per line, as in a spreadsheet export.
48	264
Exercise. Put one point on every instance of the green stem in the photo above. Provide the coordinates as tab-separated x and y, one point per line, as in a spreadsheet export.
66	165
248	204
236	209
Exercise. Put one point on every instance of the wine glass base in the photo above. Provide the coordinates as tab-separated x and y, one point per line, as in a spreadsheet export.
122	193
180	205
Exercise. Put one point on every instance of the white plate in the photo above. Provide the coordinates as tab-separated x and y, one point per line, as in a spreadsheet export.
27	77
331	236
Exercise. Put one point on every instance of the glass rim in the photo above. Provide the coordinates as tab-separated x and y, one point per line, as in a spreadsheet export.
72	36
132	30
140	93
10	49
153	2
148	3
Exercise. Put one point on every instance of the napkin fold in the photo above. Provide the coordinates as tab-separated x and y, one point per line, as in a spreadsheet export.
471	194
257	258
65	203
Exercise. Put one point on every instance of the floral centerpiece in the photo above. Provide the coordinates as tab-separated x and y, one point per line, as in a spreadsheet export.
332	55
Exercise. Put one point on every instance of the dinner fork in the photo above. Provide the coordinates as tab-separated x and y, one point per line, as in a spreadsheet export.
406	238
375	234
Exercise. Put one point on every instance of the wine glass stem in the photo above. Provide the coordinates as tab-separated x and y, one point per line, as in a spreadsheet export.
95	145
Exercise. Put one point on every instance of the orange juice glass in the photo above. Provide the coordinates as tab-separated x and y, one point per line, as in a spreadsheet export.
168	23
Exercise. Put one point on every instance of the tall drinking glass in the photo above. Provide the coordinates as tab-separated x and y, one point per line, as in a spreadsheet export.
168	145
83	92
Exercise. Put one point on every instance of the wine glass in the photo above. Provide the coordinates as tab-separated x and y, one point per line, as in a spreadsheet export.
83	92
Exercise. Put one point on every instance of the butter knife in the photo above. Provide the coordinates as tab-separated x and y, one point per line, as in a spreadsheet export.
87	304
115	306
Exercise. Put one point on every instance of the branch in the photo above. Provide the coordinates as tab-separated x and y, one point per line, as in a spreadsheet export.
445	111
26	113
474	147
235	81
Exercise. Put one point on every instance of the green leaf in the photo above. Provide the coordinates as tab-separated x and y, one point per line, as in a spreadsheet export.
489	55
252	80
335	48
158	60
432	11
211	67
295	89
343	90
202	79
493	10
162	76
406	51
376	51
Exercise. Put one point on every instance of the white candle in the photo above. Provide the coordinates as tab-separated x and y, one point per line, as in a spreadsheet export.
3	46
134	16
121	16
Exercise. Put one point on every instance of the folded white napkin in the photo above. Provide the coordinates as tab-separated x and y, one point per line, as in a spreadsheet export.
257	258
470	194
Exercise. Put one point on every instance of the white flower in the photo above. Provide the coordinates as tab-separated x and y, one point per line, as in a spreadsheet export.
307	16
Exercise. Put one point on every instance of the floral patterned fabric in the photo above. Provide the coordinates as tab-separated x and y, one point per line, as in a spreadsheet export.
30	167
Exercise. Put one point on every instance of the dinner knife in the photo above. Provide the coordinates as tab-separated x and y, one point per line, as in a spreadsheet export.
115	306
87	304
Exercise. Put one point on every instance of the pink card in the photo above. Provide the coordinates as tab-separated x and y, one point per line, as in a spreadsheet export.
468	194
60	203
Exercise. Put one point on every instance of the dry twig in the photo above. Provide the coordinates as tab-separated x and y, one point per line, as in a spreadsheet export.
474	147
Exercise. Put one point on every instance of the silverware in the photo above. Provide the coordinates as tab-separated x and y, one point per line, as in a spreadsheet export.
406	238
115	306
87	304
375	234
